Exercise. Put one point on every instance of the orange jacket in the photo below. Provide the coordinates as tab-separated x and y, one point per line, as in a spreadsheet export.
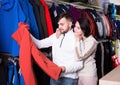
28	52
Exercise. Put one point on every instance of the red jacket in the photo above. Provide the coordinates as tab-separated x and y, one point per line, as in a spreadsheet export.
28	52
48	18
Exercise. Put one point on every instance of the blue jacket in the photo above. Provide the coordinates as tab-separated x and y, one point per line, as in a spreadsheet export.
30	17
10	15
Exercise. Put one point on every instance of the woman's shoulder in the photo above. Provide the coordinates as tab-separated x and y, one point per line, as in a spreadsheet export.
92	39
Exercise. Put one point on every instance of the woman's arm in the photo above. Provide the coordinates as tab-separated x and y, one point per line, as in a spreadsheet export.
89	47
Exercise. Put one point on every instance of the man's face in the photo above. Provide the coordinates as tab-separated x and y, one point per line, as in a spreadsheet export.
64	25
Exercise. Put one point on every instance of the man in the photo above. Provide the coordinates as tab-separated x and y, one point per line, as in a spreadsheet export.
63	51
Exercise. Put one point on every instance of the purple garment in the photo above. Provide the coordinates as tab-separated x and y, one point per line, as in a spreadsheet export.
76	13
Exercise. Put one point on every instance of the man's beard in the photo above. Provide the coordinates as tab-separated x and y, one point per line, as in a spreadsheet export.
64	31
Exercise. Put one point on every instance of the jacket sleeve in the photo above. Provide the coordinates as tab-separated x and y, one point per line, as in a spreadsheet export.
74	67
44	43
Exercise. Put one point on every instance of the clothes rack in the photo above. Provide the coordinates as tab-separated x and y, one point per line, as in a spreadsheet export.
75	4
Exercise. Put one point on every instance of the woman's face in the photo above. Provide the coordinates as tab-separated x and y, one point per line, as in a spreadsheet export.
77	29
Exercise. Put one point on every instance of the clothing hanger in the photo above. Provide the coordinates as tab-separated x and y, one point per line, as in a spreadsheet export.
50	2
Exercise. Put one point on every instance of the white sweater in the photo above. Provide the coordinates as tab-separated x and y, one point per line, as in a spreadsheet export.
87	50
63	52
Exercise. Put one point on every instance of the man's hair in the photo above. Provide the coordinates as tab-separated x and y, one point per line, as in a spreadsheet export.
66	15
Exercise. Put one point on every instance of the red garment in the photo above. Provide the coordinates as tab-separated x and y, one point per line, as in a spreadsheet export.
93	29
28	52
48	18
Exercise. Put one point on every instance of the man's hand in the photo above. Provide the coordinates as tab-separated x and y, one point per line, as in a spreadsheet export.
63	68
58	32
23	25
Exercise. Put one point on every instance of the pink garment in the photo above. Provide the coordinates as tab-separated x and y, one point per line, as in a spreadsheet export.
87	80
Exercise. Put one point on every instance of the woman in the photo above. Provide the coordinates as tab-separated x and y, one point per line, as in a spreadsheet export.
85	49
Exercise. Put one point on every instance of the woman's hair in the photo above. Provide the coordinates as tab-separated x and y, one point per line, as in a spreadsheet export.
85	26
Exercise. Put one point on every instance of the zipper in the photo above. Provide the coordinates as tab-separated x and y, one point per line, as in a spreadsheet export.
62	40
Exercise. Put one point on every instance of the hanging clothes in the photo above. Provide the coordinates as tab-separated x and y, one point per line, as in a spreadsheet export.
76	13
10	14
30	18
3	71
104	53
47	18
39	13
55	11
14	76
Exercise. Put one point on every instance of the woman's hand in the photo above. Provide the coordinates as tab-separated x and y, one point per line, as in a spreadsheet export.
78	37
